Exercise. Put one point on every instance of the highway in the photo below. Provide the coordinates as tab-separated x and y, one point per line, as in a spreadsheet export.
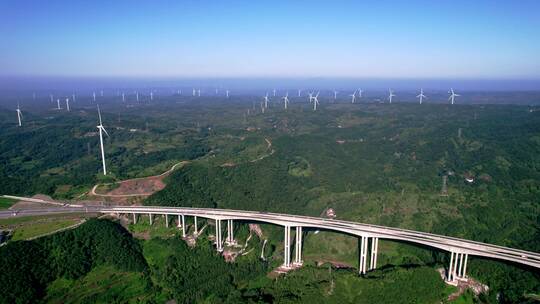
446	243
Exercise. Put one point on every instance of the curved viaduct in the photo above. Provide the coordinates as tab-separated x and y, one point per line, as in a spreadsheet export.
368	235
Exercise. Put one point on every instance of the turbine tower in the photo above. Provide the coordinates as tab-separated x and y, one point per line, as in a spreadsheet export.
360	93
227	93
390	95
123	97
315	101
266	101
19	114
421	96
452	95
67	104
51	96
101	130
286	100
94	94
299	92
310	97
151	95
353	96
73	96
335	94
58	104
137	96
274	92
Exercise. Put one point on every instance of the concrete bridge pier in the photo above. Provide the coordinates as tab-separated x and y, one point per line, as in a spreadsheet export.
196	232
134	218
457	270
363	244
374	251
287	247
230	233
298	247
167	220
182	224
219	244
150	216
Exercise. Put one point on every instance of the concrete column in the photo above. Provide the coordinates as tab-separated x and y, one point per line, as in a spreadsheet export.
179	223
167	220
363	254
454	270
134	218
465	266
196	228
150	216
374	250
230	232
218	236
298	246
287	247
183	226
460	266
450	267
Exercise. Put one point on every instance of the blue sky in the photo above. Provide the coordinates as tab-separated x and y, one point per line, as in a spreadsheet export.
386	39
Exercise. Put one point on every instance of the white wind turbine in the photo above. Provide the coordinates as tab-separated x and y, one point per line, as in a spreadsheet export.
94	94
101	93
123	97
286	100
151	95
19	114
51	96
227	93
335	94
360	93
199	92
299	92
67	104
452	95
265	101
390	95
58	104
193	92
353	96
101	130
421	96
274	92
137	96
315	101
73	97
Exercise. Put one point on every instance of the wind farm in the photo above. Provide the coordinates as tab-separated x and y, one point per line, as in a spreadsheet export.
269	153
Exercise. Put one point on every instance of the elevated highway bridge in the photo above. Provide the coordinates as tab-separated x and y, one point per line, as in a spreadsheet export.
368	235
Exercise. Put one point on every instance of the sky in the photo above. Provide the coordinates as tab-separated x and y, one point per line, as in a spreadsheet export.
457	39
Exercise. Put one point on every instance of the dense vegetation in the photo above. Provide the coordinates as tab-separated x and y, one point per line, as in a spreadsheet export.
28	266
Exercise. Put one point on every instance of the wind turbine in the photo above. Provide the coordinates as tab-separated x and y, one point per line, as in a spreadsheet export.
123	97
310	97
286	100
58	104
274	92
151	95
390	95
360	93
199	92
266	101
94	94
51	96
315	101
353	96
101	130
421	95
73	96
299	92
101	93
19	114
453	95
67	104
193	93
335	94
227	93
137	96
